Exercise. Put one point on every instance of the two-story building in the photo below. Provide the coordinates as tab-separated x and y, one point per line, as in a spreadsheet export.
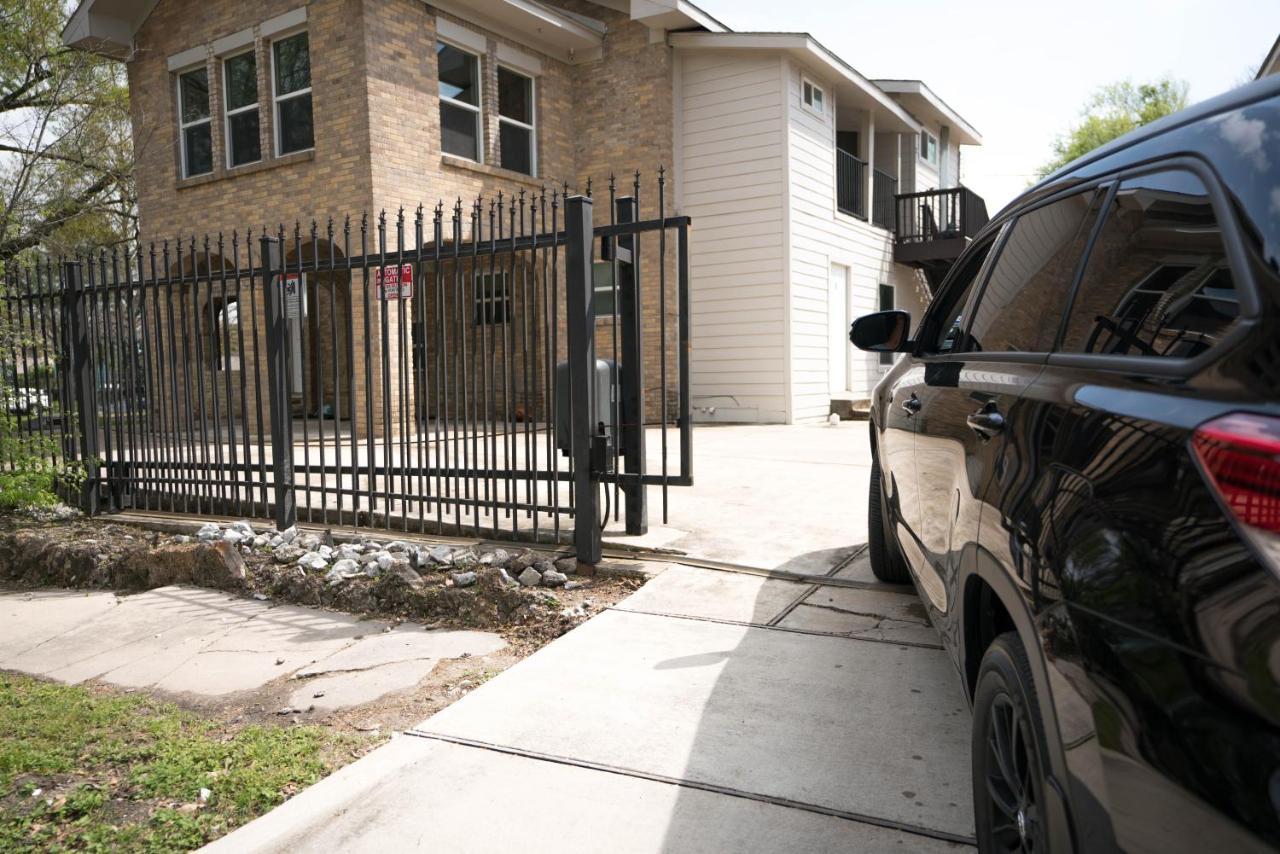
805	180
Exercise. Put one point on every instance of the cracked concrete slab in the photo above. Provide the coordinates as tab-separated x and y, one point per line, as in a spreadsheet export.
815	618
895	606
406	643
32	618
691	592
357	687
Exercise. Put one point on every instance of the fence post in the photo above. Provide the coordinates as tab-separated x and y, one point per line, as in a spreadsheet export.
580	320
630	313
78	357
279	392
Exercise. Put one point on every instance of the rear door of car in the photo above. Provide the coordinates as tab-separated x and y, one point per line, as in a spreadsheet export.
966	396
1102	516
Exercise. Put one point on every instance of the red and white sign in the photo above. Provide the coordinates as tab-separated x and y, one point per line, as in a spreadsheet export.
393	283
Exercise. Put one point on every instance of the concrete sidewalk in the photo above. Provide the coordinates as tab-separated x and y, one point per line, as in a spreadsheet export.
710	711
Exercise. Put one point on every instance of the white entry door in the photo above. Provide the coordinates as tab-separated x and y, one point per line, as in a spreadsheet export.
838	328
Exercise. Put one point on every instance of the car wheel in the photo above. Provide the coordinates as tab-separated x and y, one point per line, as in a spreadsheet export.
1008	753
886	561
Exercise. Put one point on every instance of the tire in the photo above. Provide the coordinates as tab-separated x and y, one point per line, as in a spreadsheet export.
886	560
1009	757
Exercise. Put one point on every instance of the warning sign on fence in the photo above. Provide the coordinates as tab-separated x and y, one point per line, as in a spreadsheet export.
295	295
393	283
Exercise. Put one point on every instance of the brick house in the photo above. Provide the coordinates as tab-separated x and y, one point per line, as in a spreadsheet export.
788	159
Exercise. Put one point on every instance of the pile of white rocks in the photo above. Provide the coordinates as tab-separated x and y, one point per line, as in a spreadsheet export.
367	558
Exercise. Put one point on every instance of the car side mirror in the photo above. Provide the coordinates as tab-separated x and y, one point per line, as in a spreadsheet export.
882	332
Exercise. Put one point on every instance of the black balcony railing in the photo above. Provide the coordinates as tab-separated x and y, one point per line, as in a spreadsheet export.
953	213
851	184
884	187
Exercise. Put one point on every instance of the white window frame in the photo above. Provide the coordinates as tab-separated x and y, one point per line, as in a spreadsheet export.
477	107
277	98
818	105
936	150
183	126
227	114
532	127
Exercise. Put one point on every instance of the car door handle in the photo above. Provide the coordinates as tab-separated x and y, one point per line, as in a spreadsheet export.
911	405
986	422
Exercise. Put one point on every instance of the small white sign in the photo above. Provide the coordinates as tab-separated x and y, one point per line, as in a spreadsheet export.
295	295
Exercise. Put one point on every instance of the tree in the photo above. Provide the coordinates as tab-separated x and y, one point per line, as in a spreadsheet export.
65	150
1113	111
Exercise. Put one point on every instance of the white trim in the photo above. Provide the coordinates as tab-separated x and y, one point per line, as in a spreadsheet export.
288	21
518	60
276	99
477	108
531	127
187	58
461	37
920	149
183	126
227	44
816	105
788	358
228	113
966	134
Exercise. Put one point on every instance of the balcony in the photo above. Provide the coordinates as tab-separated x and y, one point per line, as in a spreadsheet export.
935	226
851	190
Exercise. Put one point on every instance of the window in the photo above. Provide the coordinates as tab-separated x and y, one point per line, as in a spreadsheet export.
928	147
240	97
493	299
459	101
811	94
886	304
951	302
1021	306
291	62
194	124
1157	281
515	122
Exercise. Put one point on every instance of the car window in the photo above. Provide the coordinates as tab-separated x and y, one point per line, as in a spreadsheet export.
944	334
1021	306
1157	281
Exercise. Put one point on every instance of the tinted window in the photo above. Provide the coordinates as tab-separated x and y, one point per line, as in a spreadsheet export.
1157	281
949	312
1021	306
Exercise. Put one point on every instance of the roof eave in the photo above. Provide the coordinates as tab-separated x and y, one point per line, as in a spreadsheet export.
1270	65
963	133
803	46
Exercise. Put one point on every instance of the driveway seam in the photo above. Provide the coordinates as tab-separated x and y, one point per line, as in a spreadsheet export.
772	628
782	615
846	815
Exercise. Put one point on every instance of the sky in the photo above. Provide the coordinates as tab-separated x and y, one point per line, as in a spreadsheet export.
1020	71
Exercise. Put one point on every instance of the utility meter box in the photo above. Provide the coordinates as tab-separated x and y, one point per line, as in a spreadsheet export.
606	380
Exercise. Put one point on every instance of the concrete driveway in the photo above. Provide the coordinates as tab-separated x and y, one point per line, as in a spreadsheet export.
774	497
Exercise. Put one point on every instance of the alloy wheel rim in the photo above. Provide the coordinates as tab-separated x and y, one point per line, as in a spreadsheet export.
1014	815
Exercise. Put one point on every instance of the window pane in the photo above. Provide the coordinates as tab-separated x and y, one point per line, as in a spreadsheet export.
459	73
515	96
195	95
517	148
1021	306
459	131
953	300
293	64
198	144
242	133
242	81
1157	282
295	124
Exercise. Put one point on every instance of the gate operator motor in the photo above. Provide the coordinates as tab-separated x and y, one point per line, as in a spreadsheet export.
607	399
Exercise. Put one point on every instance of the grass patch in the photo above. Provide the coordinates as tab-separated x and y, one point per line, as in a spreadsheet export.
126	772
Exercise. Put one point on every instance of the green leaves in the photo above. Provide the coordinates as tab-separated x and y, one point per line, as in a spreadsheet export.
1112	112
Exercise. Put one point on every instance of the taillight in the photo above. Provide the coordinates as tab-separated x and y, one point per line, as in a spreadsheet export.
1240	454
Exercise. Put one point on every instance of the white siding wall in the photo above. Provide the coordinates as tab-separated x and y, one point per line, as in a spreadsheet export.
732	167
821	237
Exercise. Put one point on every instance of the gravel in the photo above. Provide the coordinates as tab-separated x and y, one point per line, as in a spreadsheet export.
530	577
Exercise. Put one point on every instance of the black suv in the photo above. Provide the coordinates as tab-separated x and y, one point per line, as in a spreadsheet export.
1077	462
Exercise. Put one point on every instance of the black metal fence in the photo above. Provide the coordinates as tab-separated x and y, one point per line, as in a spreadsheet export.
956	212
503	368
851	184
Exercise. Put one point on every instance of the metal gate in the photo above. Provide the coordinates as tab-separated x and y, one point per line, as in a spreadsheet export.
506	368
